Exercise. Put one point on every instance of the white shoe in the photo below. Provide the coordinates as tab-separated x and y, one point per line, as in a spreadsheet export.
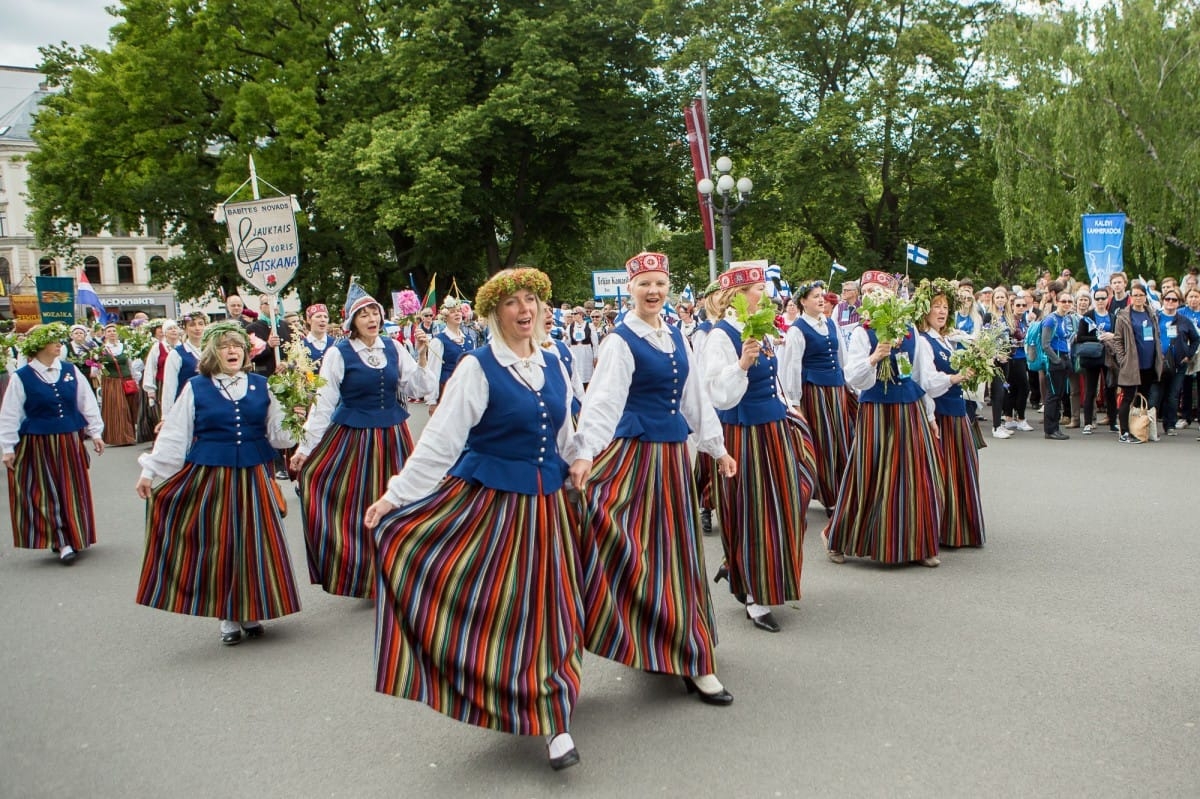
1181	424
1087	429
1000	432
1024	427
1011	425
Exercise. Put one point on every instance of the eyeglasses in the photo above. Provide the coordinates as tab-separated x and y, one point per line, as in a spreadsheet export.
1170	299
1101	297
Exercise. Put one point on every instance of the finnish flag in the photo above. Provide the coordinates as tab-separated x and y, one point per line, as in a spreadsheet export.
918	255
687	295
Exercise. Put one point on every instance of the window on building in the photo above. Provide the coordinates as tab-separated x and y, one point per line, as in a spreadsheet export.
154	228
3	225
47	267
5	273
91	268
124	269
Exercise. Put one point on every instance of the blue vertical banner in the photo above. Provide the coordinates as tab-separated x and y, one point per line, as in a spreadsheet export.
1103	246
56	298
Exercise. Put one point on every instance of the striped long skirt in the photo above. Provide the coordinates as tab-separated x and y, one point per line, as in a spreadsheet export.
827	409
763	507
645	592
889	506
119	411
215	546
703	473
344	475
50	493
962	510
479	612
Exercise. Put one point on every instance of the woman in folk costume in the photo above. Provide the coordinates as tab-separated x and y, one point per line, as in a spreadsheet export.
645	590
583	340
153	376
355	438
564	354
702	472
317	339
183	361
48	404
449	345
811	371
962	510
118	406
480	614
762	508
889	505
215	542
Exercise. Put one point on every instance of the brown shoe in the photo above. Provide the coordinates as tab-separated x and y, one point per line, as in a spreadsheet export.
1072	424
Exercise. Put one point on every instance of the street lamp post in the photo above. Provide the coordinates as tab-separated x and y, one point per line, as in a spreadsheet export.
726	187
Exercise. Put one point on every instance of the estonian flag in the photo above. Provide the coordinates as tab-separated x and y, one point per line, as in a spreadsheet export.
86	295
918	255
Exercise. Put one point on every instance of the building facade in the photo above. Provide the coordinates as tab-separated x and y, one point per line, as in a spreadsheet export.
117	262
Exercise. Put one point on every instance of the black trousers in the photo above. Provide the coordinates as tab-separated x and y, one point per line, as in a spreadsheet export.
1057	386
1017	374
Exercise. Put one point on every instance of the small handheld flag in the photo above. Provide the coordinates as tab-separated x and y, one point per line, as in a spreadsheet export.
687	295
918	255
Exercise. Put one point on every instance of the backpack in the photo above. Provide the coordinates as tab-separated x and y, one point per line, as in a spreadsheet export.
1035	355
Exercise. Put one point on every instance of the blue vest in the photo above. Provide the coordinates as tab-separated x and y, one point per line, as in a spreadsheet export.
315	354
652	408
229	433
50	408
369	395
951	403
760	404
514	447
899	390
188	368
451	352
564	355
820	363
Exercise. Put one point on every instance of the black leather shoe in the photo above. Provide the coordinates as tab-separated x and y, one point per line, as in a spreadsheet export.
254	630
765	622
232	637
565	760
829	513
720	699
1057	435
706	521
722	574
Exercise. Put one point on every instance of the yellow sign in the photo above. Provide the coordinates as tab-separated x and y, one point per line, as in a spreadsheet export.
26	312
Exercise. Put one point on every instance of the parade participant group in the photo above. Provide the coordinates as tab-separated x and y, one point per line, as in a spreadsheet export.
557	499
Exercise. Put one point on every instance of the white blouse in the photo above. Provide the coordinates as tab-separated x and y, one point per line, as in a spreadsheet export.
791	354
861	373
12	412
175	438
465	401
414	382
171	377
724	380
609	389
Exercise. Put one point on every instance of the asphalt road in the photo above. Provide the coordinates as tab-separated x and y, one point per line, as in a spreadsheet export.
1061	660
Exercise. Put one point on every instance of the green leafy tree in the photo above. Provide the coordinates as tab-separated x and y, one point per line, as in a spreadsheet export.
489	134
161	127
1096	113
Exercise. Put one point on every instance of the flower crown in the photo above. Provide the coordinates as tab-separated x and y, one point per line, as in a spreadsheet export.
801	291
219	330
42	336
927	290
510	281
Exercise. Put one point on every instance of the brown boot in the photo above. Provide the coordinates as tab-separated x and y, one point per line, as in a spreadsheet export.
1071	424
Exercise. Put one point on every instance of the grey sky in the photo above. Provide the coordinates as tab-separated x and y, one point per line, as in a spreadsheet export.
27	24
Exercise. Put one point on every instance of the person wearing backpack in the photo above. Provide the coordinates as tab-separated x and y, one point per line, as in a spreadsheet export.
1055	334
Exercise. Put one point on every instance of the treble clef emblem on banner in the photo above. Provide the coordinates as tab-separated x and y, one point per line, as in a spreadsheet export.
249	248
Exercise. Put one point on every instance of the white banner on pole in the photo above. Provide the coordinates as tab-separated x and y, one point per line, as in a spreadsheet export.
266	243
609	284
